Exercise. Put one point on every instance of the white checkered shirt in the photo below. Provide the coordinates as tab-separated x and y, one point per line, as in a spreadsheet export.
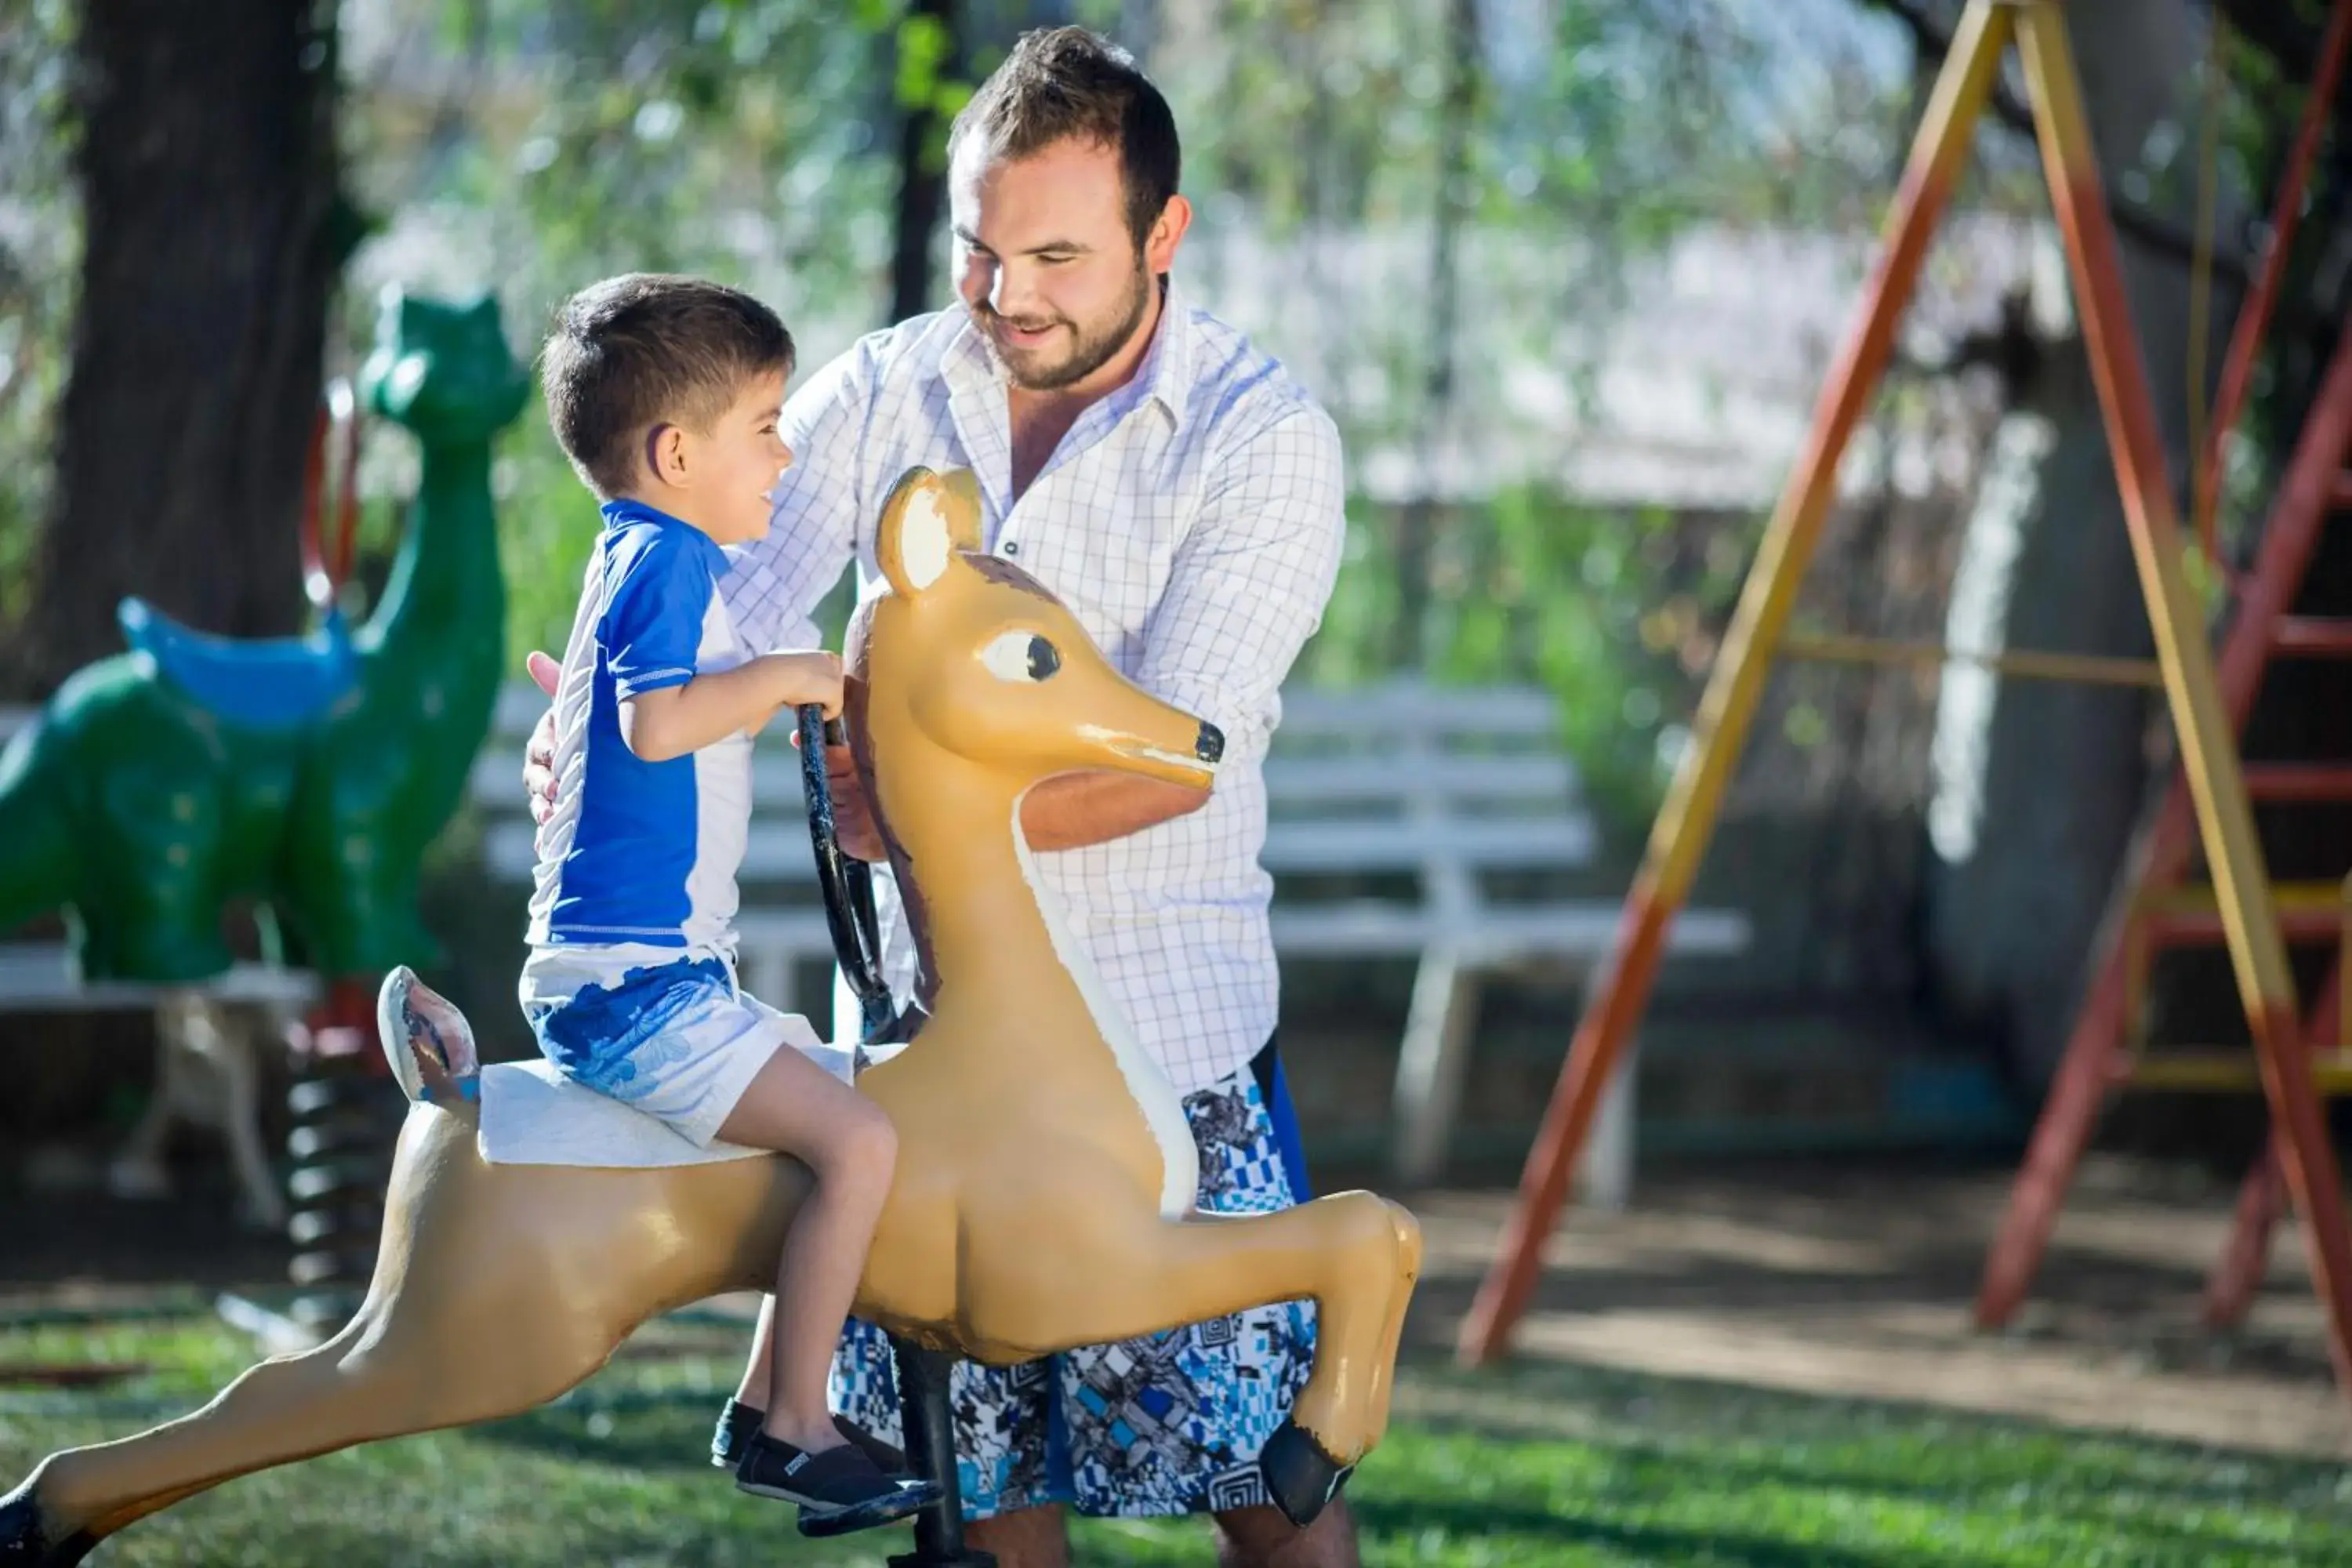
1193	521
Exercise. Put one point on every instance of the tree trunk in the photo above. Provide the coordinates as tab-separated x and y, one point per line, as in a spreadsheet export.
1418	547
922	168
207	172
2011	922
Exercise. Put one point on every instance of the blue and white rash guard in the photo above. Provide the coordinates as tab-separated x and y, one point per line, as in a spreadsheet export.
637	866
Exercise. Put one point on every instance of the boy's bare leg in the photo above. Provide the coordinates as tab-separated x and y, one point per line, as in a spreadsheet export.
797	1108
754	1390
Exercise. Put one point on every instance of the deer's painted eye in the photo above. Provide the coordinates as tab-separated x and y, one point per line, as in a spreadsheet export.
1022	655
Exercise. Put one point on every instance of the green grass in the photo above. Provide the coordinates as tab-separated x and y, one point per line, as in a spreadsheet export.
1539	1464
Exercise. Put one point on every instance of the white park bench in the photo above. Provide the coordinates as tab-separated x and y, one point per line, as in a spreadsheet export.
1443	792
208	1041
1431	792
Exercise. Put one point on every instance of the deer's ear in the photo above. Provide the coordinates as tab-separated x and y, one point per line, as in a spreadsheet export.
963	507
928	518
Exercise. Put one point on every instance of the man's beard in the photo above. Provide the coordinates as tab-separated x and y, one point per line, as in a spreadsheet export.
1089	354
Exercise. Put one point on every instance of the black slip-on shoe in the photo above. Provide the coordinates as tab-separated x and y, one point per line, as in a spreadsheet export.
839	1489
740	1423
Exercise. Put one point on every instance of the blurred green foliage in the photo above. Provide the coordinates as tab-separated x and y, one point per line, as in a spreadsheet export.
533	147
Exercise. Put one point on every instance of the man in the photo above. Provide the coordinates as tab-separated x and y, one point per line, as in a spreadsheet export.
1183	496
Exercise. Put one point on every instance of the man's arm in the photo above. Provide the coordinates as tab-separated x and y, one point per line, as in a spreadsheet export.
1065	813
1247	588
1079	809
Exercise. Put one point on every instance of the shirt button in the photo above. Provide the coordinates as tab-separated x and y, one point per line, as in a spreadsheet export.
1012	547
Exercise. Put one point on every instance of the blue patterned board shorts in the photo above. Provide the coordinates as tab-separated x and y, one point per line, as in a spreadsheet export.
1168	1423
679	1041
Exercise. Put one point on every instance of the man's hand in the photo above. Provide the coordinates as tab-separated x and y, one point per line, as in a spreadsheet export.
852	819
539	754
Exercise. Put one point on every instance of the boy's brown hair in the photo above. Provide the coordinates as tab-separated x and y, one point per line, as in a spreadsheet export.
646	349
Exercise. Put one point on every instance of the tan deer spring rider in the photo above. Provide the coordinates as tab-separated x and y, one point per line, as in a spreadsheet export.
1043	1193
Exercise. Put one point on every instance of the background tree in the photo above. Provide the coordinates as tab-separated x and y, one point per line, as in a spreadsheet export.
205	161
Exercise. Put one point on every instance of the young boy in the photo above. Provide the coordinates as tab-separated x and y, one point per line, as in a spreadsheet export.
665	393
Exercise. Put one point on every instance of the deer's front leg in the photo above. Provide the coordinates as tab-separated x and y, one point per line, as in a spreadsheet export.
1115	1273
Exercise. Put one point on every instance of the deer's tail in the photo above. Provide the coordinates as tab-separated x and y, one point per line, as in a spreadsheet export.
428	1043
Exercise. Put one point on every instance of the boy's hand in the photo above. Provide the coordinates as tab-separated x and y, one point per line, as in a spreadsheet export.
853	820
803	677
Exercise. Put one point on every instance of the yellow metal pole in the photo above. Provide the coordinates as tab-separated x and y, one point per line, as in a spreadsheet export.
1621	987
2084	668
2207	746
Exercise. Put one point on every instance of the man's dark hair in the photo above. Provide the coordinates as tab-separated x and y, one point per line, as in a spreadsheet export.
1064	82
649	348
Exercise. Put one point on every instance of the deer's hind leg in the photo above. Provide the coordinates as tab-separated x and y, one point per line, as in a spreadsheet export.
464	1322
342	1392
1118	1272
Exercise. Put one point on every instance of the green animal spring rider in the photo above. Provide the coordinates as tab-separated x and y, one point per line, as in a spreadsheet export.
304	776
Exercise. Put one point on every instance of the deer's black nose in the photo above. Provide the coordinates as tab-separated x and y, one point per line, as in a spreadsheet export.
1210	746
